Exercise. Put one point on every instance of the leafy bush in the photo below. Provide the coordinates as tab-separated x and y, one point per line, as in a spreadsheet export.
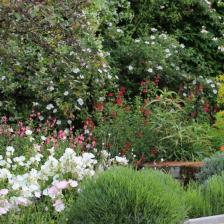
155	128
127	196
50	56
206	199
212	166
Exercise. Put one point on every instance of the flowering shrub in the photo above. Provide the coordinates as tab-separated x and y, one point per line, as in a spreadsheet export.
156	126
127	196
124	22
197	24
51	57
148	57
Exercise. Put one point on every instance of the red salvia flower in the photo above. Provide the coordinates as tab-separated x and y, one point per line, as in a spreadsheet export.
119	101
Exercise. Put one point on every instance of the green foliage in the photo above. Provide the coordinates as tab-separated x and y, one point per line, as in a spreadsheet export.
50	56
212	166
206	199
159	128
122	195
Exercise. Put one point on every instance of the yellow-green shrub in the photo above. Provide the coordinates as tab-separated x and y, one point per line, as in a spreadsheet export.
221	90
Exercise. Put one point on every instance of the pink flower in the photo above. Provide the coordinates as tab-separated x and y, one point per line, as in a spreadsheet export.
22	131
48	140
53	192
4	119
73	183
22	201
4	192
61	184
79	139
3	211
61	135
59	205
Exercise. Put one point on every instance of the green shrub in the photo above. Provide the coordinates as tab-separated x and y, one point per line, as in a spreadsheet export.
122	195
212	166
206	199
50	56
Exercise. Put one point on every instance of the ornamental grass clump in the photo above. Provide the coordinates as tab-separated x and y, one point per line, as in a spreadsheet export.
122	195
206	199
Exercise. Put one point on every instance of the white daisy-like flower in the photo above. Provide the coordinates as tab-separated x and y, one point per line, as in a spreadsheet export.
75	70
50	88
80	101
50	106
58	122
153	30
130	68
182	45
41	118
66	93
152	37
28	132
120	30
159	67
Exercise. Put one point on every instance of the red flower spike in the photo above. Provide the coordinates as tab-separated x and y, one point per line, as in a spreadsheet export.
119	101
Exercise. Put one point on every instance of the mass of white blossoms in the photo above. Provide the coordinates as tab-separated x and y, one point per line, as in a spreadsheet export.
28	179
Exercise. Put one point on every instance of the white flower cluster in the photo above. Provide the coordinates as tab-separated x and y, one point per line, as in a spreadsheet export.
107	161
38	176
24	187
